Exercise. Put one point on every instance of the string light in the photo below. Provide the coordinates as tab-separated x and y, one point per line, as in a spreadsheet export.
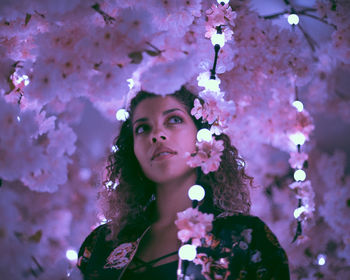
71	255
302	189
297	138
218	39
298	105
122	115
299	175
204	135
196	192
321	259
18	118
299	211
293	19
187	252
223	2
212	84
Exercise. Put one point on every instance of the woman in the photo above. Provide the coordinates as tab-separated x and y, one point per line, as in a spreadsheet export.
153	177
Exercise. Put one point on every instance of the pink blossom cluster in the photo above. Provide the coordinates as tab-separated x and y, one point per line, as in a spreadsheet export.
223	16
338	15
215	110
207	155
304	191
33	149
297	159
304	123
193	225
284	56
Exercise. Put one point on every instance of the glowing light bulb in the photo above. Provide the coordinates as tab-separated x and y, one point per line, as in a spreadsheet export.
299	175
297	138
212	84
293	19
71	255
196	192
321	259
187	252
298	105
122	115
223	2
218	39
18	118
204	135
131	83
299	211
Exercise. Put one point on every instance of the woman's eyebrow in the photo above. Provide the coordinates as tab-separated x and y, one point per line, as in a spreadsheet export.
164	113
171	110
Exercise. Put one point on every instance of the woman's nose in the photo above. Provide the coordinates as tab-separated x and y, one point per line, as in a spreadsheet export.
155	139
158	135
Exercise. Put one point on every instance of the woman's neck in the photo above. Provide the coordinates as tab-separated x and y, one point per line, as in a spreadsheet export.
172	198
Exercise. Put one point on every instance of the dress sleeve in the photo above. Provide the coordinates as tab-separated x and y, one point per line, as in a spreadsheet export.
93	253
273	257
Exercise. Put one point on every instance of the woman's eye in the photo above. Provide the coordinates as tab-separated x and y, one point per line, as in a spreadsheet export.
175	119
140	129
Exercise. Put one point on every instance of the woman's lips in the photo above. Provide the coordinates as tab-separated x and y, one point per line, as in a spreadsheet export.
163	154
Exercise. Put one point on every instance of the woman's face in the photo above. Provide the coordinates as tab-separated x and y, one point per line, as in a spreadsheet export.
163	132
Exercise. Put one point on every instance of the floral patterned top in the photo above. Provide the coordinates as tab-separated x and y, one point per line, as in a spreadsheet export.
237	247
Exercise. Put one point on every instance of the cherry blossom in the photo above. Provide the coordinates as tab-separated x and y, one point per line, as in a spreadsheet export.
297	159
207	155
304	191
194	225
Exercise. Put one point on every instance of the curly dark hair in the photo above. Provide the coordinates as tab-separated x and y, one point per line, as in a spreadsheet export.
227	189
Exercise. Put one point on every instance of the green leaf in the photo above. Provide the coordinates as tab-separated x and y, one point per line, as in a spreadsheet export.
27	19
136	57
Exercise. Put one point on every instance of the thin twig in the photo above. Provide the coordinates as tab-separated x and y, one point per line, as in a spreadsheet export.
37	264
154	47
20	97
342	95
107	18
308	38
319	19
285	12
275	15
299	12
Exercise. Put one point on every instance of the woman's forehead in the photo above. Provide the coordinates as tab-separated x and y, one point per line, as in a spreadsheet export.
150	106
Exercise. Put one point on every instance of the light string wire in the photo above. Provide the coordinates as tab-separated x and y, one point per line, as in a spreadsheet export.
302	189
218	41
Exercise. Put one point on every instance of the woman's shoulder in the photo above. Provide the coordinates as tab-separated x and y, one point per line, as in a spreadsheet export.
239	220
245	224
95	248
